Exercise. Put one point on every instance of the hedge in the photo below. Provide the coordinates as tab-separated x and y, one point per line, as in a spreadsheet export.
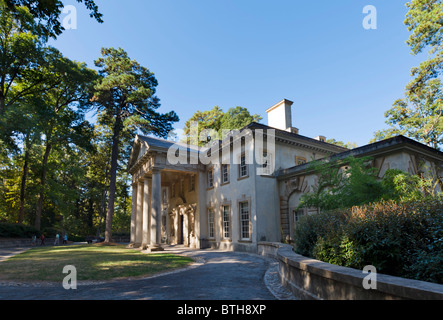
15	230
399	239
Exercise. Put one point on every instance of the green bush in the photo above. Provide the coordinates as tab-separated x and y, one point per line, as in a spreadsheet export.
15	230
311	228
354	182
400	239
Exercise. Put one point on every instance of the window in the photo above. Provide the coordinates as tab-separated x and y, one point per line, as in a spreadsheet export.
173	190
297	215
300	160
267	166
243	167
165	196
226	222
192	183
211	178
225	173
211	224
182	187
245	233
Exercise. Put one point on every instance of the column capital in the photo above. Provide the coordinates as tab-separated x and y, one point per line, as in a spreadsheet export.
156	170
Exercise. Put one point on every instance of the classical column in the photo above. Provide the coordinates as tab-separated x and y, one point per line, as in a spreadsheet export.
165	209
185	227
134	214
146	216
201	213
139	220
177	225
156	211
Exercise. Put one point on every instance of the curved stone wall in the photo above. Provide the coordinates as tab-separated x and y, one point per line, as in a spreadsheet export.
312	279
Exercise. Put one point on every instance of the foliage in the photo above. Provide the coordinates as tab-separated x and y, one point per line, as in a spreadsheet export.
15	230
237	118
402	186
54	165
47	13
311	228
217	121
126	97
354	182
21	59
424	21
400	239
343	183
348	145
420	114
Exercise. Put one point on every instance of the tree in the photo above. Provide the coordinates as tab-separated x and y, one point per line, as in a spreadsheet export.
419	114
44	138
126	94
238	118
424	20
47	14
217	120
64	105
343	184
348	145
20	56
206	120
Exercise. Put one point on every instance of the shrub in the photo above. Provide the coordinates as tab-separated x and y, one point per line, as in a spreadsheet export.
311	228
400	239
343	183
15	230
353	182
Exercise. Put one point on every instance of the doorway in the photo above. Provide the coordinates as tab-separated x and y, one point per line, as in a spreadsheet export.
181	226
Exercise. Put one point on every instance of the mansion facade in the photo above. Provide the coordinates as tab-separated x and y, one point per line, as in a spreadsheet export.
233	204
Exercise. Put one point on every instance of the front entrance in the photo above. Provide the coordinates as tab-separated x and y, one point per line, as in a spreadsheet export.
181	230
183	225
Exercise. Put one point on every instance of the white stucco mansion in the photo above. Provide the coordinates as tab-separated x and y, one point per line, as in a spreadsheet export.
231	206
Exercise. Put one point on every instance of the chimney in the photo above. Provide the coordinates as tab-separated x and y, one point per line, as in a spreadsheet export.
320	138
280	116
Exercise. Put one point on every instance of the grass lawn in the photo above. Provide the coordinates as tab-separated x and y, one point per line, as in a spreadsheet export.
93	262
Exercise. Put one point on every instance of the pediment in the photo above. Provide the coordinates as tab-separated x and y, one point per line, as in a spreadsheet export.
139	149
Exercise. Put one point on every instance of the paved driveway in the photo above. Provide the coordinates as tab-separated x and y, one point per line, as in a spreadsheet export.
217	276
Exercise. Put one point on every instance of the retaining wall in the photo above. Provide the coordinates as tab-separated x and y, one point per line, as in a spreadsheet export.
17	243
312	279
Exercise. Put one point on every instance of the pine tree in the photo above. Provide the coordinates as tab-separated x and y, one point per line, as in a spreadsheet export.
126	94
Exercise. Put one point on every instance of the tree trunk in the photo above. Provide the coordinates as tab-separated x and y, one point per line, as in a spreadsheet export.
38	212
21	212
101	213
113	178
2	104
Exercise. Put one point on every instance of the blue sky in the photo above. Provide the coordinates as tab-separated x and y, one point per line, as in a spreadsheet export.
254	53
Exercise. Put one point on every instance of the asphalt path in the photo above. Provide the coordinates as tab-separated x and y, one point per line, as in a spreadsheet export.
216	275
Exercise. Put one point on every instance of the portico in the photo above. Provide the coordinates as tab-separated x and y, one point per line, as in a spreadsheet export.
166	204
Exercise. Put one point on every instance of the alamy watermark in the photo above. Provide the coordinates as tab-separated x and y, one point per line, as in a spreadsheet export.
69	21
243	147
370	20
370	281
69	15
70	281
